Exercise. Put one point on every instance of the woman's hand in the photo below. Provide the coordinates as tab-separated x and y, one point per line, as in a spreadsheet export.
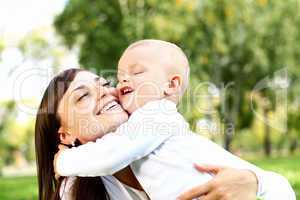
228	184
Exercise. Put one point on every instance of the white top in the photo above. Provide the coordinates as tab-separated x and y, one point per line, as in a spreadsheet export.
115	189
161	150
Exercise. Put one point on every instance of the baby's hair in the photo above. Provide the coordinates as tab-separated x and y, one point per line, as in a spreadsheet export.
160	42
183	57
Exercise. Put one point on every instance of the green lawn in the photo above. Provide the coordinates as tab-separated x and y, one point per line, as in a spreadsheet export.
18	188
25	188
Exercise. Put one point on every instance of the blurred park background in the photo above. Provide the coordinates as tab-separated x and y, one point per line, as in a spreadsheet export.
245	71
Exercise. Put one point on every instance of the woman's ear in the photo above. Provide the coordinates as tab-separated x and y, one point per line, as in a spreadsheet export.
65	137
174	85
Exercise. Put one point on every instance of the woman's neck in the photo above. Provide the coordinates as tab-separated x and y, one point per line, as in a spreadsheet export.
127	177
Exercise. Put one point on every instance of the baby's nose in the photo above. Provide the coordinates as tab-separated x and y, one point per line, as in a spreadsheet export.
124	78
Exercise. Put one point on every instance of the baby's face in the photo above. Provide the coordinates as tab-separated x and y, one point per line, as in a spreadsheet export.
141	77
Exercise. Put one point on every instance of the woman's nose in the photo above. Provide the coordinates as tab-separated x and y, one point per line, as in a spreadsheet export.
106	91
102	92
113	91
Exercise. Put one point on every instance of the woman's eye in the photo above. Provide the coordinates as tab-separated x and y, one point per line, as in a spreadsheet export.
83	96
107	84
137	73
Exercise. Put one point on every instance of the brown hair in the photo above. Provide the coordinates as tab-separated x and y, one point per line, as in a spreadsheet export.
46	145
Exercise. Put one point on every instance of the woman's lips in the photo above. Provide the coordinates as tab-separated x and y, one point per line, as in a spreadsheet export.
111	105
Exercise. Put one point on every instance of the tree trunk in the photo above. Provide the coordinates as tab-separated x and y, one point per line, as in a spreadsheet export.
267	134
293	146
227	141
228	134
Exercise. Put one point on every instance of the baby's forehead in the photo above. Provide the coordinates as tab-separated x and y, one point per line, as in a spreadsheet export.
152	47
145	53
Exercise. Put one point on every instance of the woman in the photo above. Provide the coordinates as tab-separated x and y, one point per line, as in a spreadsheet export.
69	115
61	117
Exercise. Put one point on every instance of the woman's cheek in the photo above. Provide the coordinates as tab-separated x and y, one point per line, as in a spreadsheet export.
88	127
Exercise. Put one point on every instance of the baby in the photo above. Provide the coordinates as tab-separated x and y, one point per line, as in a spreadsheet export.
156	140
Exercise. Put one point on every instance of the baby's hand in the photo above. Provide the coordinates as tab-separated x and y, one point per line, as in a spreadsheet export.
61	149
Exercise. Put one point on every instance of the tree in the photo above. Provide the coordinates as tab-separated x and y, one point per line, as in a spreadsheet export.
103	29
239	43
2	45
6	113
233	44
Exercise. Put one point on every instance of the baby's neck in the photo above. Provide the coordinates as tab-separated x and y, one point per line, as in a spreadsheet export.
174	99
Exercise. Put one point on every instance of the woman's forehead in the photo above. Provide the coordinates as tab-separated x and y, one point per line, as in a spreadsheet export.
85	78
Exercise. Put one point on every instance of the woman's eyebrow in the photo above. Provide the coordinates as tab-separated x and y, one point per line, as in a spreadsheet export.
79	88
83	86
97	79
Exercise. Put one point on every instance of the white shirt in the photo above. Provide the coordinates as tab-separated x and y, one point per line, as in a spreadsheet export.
115	189
161	150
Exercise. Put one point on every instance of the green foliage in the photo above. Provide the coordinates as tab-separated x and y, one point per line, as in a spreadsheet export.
14	136
234	44
2	45
104	29
34	45
7	109
97	27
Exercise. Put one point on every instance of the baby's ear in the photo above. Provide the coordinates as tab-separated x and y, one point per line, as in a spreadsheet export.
174	85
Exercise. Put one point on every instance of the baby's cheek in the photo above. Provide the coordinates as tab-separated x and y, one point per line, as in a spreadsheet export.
150	91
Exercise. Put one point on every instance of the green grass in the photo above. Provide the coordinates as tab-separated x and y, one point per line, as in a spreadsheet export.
288	167
25	188
18	188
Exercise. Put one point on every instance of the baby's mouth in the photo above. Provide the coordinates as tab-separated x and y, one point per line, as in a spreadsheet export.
126	90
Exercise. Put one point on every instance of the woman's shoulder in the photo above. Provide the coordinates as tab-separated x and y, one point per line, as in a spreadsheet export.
114	188
65	191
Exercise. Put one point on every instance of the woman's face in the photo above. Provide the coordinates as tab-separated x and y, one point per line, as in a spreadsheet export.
90	109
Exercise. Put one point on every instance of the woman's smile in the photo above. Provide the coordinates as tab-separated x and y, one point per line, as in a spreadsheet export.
109	107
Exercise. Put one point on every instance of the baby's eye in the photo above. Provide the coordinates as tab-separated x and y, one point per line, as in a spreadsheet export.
82	96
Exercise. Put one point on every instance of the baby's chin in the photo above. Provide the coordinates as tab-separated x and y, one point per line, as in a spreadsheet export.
133	107
130	108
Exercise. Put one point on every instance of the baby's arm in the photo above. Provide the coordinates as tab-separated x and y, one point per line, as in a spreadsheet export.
105	156
133	140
